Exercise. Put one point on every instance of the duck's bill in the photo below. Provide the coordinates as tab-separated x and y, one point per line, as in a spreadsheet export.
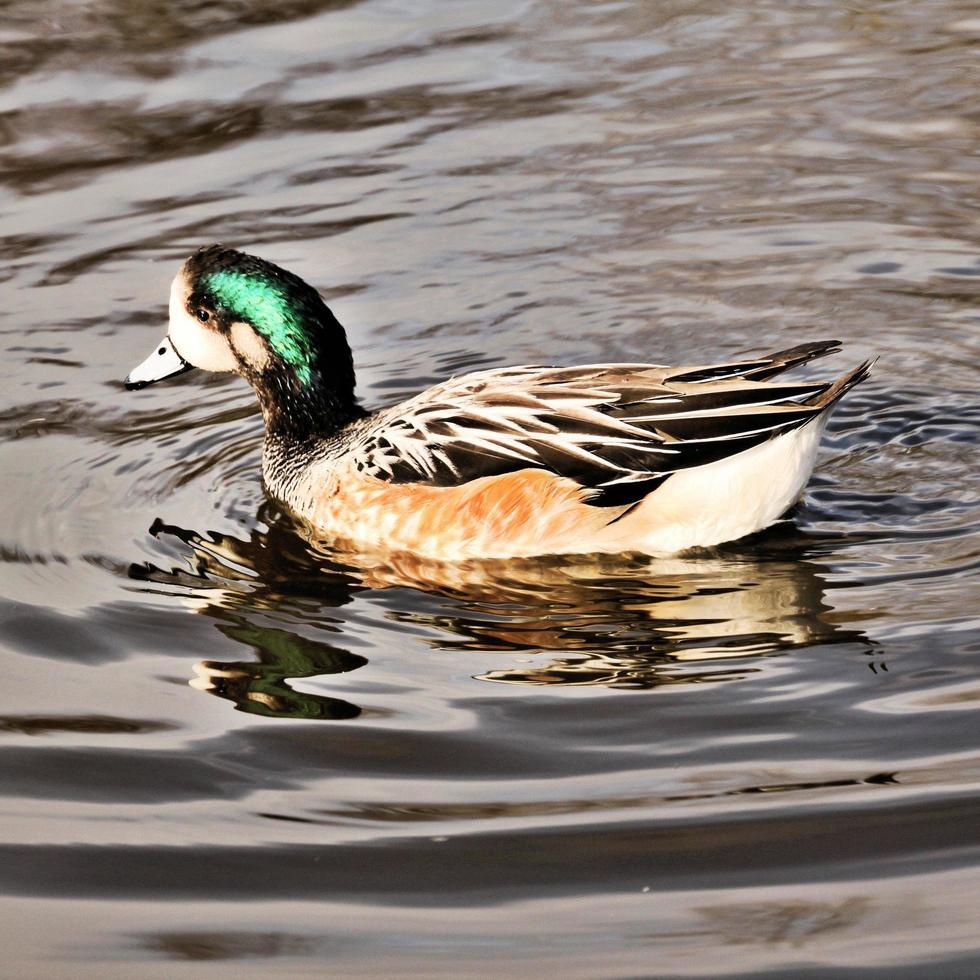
164	362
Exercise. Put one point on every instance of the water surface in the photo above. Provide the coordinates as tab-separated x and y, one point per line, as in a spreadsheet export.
227	751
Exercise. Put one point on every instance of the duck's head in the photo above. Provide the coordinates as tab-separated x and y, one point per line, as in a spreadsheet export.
230	311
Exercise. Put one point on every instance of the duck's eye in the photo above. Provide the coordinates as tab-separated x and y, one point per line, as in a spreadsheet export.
202	315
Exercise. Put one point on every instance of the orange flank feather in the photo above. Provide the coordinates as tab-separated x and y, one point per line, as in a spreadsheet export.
528	512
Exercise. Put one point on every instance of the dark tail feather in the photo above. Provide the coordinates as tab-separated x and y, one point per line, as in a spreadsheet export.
841	386
760	369
783	360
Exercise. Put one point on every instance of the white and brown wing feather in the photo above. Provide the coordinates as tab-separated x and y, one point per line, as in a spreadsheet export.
617	430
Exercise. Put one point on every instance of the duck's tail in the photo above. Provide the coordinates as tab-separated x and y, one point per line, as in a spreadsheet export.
833	393
783	360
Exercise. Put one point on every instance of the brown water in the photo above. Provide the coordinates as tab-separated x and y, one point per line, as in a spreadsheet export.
227	754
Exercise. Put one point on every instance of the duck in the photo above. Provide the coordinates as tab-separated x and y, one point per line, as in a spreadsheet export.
510	462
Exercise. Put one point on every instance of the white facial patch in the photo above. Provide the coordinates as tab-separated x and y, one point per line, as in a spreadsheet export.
195	341
249	346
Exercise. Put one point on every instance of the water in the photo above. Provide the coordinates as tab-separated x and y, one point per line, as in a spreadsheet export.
228	753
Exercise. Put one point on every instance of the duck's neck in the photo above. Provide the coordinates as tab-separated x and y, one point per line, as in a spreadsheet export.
297	413
311	399
302	423
306	406
301	416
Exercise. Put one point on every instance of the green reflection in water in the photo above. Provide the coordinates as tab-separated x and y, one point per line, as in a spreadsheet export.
261	689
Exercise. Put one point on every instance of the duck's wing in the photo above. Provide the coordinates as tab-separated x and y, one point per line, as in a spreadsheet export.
619	430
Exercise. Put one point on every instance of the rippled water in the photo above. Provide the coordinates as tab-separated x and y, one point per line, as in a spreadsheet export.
230	752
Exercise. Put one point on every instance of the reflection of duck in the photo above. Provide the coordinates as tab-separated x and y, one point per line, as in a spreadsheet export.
515	461
613	621
232	581
261	688
636	622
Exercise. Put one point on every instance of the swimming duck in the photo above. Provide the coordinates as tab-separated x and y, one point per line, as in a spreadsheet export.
509	462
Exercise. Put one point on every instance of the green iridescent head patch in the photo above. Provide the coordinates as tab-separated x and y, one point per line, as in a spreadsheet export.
266	304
